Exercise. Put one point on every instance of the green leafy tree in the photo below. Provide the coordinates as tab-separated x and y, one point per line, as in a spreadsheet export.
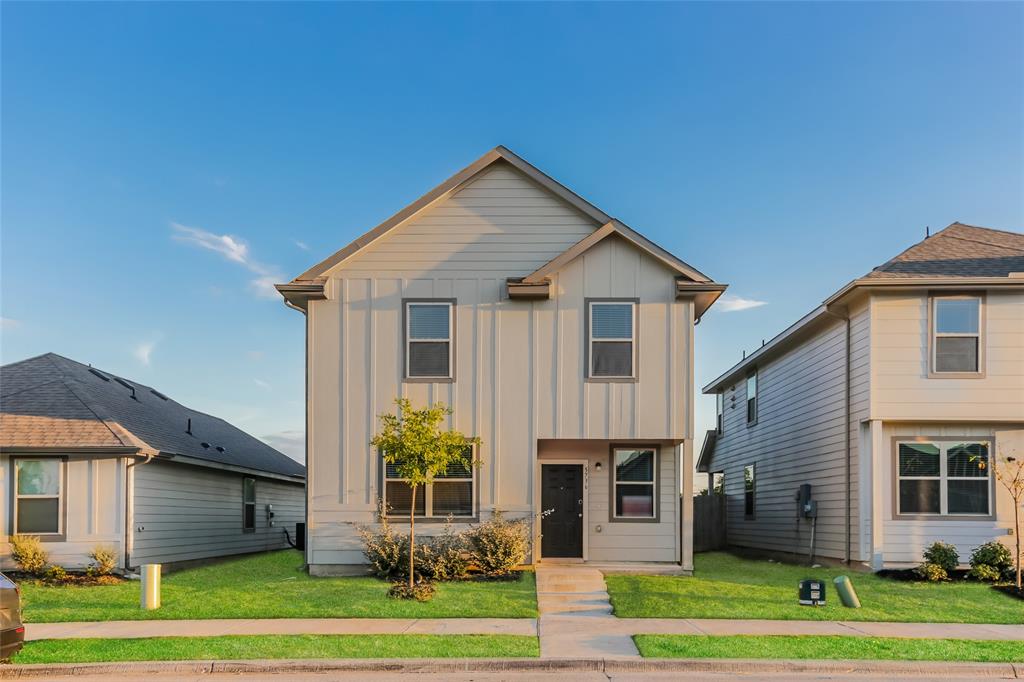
419	449
1009	471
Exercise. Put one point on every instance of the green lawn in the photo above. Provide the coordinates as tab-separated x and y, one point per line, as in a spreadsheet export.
828	647
725	586
278	646
273	585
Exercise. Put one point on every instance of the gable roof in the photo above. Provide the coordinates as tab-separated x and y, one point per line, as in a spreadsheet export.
309	285
957	257
53	402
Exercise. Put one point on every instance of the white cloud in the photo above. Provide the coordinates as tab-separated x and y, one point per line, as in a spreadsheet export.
302	245
143	351
261	383
731	304
291	443
7	323
235	250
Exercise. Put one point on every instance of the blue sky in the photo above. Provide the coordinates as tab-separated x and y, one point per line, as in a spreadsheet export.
782	148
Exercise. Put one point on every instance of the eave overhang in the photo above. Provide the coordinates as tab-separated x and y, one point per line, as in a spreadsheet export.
297	295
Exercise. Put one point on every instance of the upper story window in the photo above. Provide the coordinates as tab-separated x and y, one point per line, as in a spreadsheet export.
612	339
752	397
39	496
943	478
634	483
429	347
720	412
248	504
749	490
452	493
956	343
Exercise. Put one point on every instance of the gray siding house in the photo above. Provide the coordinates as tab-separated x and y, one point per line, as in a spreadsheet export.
89	458
891	400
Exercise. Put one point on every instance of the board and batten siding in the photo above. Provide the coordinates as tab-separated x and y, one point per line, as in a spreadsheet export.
798	438
901	387
519	365
184	513
94	503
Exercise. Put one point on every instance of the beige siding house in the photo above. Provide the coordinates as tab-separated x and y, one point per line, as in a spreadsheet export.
558	335
88	459
885	399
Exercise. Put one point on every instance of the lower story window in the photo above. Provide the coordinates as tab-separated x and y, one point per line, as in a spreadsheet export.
634	483
749	490
451	494
248	504
38	496
943	478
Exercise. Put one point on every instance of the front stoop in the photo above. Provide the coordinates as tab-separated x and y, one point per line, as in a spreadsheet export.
572	600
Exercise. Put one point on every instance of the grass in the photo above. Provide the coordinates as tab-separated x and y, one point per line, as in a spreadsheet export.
828	647
273	585
726	586
277	646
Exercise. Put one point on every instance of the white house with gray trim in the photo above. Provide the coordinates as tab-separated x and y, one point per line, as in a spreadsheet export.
558	335
891	400
88	458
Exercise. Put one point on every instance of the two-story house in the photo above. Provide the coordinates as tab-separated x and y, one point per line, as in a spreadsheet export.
891	400
558	335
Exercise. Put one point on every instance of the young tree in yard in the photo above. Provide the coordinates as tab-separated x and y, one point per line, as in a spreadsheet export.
414	443
1010	473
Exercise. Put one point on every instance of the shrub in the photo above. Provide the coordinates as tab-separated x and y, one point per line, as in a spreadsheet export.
27	551
443	557
932	572
942	554
985	573
420	591
55	574
104	560
992	558
386	550
498	546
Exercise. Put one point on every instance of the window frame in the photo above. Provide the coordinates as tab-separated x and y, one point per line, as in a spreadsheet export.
720	412
62	493
589	341
247	529
752	492
933	334
428	492
613	483
406	339
753	374
942	442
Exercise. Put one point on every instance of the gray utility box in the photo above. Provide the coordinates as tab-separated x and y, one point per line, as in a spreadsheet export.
812	592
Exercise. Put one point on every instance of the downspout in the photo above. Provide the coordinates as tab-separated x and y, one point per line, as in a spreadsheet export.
129	520
846	430
305	517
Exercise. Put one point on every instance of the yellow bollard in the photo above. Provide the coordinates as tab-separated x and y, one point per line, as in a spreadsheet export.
150	586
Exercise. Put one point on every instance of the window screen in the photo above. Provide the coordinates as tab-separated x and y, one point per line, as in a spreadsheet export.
248	504
749	490
612	339
752	398
634	483
451	494
956	334
945	478
428	340
38	491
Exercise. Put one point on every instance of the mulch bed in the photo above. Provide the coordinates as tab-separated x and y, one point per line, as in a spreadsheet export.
77	579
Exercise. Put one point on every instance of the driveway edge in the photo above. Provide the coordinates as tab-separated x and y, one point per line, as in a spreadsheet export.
910	669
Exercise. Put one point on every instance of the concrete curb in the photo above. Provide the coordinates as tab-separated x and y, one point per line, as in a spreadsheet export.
909	669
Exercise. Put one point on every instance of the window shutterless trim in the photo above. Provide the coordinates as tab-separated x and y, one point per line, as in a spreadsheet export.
612	518
720	412
383	480
938	440
933	297
62	496
588	342
247	529
757	392
752	492
453	305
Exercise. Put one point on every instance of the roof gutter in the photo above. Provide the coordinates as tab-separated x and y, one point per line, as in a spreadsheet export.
208	464
297	295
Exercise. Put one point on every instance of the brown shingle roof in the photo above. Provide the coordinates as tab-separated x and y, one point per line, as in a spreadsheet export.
958	251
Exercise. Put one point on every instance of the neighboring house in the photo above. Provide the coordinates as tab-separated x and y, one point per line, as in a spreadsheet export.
88	458
890	400
559	336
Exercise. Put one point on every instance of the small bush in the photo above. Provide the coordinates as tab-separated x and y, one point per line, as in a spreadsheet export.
498	546
443	557
942	554
104	560
56	574
420	591
386	550
932	572
992	557
985	573
27	551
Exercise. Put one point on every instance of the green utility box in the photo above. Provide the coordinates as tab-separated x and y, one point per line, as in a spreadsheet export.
812	592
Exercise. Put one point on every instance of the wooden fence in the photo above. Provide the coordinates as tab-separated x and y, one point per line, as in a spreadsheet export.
708	522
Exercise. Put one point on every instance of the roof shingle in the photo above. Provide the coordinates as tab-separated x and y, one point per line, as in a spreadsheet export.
958	251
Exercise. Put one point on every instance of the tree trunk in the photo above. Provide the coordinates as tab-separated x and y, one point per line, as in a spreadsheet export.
1016	523
412	536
